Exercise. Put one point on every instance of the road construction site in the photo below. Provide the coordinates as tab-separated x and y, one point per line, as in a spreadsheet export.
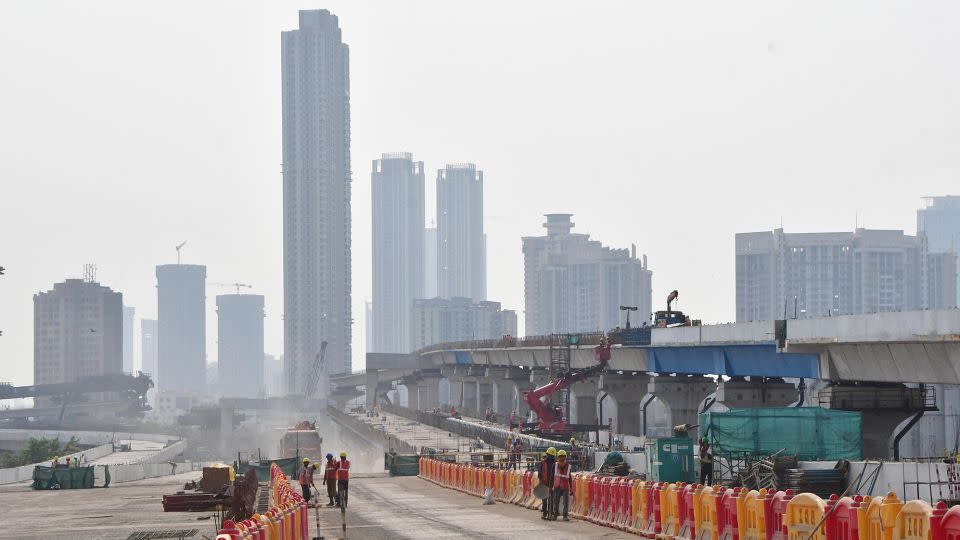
380	507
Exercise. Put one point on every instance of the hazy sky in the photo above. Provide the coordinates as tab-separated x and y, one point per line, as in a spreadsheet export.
127	127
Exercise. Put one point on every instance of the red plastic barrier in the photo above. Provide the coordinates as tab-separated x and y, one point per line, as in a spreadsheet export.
945	524
688	529
727	515
230	528
774	507
656	513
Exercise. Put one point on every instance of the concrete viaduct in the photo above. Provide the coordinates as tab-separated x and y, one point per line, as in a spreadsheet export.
879	364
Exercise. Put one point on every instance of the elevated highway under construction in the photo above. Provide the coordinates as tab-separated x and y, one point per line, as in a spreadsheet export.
899	370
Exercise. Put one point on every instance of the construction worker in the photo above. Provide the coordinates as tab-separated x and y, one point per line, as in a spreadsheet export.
56	462
561	485
545	475
706	463
330	480
343	478
574	455
305	477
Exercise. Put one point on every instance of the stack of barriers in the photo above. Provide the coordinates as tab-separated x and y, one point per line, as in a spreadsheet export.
287	518
679	511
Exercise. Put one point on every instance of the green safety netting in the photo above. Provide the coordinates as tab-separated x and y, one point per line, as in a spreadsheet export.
62	477
811	433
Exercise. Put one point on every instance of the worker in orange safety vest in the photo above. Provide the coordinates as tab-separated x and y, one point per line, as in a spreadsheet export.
561	485
343	478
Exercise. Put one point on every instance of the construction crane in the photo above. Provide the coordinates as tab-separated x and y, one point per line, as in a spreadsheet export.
550	422
313	381
235	285
178	250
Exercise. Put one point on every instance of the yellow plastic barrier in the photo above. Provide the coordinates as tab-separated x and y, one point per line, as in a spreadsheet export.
804	517
669	512
753	523
707	527
913	521
641	494
881	516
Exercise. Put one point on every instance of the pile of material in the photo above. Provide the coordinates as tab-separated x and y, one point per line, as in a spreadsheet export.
765	472
821	482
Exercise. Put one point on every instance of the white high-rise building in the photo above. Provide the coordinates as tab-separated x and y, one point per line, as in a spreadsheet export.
128	313
461	243
574	284
430	262
939	221
182	328
240	345
77	332
316	196
149	353
442	320
803	275
398	184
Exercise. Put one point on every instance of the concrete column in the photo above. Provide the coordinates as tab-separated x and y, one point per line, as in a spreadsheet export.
484	395
372	380
429	393
413	395
470	398
503	402
682	395
583	402
736	394
628	391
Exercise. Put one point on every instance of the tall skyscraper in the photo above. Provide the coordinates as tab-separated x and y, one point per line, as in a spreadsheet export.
461	244
240	344
316	196
574	284
939	221
149	352
834	273
181	327
430	262
397	183
77	332
128	313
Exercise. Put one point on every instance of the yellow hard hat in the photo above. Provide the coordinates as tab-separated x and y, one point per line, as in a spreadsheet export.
572	440
562	453
306	460
343	454
551	451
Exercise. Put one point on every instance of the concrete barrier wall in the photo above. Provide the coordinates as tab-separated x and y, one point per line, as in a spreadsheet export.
90	438
25	472
163	456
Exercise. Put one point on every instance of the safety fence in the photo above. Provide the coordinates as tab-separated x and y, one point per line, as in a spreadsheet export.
287	518
678	511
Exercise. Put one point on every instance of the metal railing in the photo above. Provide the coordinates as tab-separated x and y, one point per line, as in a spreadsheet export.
896	398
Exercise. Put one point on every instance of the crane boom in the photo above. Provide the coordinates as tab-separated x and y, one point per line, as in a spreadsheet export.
550	420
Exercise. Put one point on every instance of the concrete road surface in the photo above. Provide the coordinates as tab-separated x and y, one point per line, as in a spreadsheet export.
380	508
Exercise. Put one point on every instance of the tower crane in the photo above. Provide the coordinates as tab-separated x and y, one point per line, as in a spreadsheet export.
236	285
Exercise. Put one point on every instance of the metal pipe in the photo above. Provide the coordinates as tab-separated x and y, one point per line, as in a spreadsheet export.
896	440
645	405
600	414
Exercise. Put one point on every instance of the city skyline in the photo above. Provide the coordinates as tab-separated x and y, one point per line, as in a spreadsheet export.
574	162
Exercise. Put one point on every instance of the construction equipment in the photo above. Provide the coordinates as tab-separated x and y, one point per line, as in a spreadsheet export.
671	318
551	422
236	285
313	383
178	248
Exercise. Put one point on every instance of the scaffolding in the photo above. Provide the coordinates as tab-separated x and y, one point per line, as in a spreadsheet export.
560	364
